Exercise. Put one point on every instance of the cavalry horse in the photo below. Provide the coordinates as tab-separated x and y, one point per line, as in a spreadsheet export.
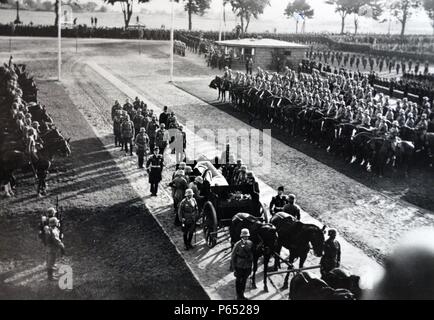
222	86
263	236
13	159
297	237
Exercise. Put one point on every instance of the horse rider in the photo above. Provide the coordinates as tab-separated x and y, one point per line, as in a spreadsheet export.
154	166
278	202
331	258
422	126
53	245
31	144
179	185
394	135
241	177
142	146
127	132
188	213
241	262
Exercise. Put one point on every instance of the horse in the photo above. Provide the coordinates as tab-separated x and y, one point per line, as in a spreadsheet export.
329	132
217	83
339	279
40	114
381	151
263	236
297	237
12	160
304	287
360	150
345	132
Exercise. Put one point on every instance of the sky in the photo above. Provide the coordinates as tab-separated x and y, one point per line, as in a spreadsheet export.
325	19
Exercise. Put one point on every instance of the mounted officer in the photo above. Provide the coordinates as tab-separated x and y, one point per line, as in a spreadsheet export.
278	202
241	262
188	213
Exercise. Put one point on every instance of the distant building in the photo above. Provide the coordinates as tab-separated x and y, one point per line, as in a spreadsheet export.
264	52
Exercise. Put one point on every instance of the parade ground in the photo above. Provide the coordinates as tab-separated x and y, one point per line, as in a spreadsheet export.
121	243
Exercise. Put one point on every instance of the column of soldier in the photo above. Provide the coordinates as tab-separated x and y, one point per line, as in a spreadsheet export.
390	63
179	48
347	98
135	124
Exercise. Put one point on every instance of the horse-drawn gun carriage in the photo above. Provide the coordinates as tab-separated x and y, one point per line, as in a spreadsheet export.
220	201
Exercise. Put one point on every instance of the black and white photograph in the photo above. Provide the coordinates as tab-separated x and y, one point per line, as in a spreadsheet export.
220	155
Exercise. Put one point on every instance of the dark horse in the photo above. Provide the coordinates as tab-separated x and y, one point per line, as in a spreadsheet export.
13	159
297	238
304	287
263	236
222	85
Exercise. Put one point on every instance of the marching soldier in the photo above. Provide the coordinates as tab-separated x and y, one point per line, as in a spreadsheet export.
127	128
188	212
152	130
241	262
162	138
142	146
331	258
278	202
292	208
53	245
154	166
116	107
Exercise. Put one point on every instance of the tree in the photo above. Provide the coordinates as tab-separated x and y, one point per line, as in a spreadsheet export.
402	11
368	8
127	8
90	6
245	9
344	8
299	8
198	7
429	8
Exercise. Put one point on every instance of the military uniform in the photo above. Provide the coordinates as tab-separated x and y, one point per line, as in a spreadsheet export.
278	203
155	167
142	144
241	261
188	213
293	210
53	246
127	128
331	258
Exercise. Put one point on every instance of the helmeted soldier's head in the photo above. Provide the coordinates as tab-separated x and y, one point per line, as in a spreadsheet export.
198	180
291	198
156	150
51	212
53	222
280	190
142	130
245	234
189	193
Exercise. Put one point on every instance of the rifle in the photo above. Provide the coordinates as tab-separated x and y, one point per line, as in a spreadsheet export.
59	217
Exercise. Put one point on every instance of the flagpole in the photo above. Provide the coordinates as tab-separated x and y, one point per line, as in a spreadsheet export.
172	39
221	20
59	41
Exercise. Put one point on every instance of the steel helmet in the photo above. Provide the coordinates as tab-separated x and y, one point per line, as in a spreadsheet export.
198	179
189	192
51	212
245	233
53	221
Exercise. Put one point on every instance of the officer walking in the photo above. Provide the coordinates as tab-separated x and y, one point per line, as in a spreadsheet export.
53	245
331	258
278	202
142	145
154	166
241	262
188	212
127	132
292	208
